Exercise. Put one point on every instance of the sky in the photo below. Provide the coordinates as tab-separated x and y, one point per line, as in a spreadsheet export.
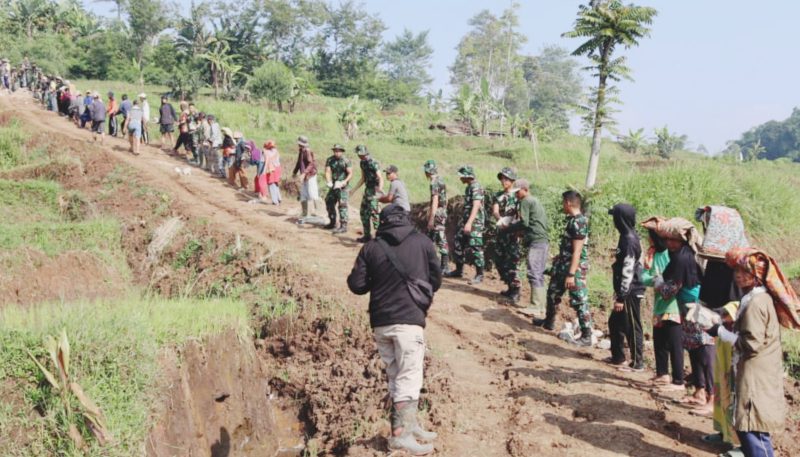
712	69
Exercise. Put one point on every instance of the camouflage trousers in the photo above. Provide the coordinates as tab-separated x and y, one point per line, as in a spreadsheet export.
468	248
337	197
507	256
369	212
439	235
578	297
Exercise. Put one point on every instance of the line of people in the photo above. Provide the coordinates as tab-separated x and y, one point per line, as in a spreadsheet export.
715	297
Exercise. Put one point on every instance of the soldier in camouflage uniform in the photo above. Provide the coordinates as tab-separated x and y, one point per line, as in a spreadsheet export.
373	180
570	268
507	247
469	237
437	216
338	173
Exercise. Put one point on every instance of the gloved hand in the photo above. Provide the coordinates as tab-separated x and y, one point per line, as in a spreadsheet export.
658	281
329	184
338	185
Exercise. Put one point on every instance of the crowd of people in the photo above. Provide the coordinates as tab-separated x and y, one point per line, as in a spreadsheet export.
715	297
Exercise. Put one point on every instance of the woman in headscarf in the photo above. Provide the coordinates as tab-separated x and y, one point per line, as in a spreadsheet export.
681	280
723	231
667	330
272	164
260	179
769	302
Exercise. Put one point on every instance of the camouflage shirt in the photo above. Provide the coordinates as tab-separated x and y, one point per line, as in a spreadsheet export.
577	228
474	192
438	187
370	168
338	167
508	204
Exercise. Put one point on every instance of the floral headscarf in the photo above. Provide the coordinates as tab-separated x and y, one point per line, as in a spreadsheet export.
764	267
724	231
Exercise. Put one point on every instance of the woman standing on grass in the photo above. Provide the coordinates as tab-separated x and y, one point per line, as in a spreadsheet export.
769	302
272	168
133	125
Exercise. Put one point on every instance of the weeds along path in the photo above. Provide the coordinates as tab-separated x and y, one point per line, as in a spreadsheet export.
517	391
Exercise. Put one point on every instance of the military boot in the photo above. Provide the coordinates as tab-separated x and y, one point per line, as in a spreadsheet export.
342	228
403	419
478	276
365	238
586	338
331	224
445	265
457	273
513	295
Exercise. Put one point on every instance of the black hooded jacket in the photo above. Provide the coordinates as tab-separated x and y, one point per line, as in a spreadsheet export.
627	267
390	302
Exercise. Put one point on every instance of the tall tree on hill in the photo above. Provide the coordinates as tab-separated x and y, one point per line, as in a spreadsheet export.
607	24
407	59
146	21
289	26
347	48
490	50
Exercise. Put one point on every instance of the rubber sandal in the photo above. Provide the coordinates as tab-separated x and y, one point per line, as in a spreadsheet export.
712	438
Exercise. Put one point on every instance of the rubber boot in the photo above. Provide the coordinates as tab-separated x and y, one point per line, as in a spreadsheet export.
478	276
419	432
513	295
457	273
549	321
445	264
332	224
538	300
342	228
304	205
403	419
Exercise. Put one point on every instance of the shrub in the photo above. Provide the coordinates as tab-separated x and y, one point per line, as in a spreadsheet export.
272	81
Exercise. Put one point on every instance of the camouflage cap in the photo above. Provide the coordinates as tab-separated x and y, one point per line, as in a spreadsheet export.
466	171
362	150
507	172
338	147
430	167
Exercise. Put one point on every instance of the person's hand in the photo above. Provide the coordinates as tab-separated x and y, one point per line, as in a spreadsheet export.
430	225
468	228
329	184
618	307
569	283
658	281
338	184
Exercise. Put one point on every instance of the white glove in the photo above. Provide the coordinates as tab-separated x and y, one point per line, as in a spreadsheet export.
338	185
504	221
330	185
658	281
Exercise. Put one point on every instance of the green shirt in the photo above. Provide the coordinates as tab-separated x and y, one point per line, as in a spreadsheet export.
370	169
338	167
473	193
577	228
534	219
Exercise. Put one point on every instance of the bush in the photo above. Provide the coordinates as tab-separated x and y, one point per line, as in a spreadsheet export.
272	81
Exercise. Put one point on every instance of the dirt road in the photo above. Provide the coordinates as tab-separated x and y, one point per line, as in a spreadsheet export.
517	390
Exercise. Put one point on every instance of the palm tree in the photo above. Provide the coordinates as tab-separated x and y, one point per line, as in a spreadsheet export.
607	24
634	141
755	151
31	15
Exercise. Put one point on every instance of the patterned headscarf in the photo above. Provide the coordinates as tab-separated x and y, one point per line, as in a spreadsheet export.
676	228
724	230
766	270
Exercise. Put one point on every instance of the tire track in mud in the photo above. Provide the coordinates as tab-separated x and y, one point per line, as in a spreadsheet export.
517	391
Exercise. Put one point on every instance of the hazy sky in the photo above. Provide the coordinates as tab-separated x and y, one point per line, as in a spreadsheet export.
711	70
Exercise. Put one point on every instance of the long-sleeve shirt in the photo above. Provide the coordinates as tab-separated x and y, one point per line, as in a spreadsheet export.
216	135
306	164
533	220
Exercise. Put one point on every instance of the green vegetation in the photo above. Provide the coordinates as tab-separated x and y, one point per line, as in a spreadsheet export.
772	140
115	347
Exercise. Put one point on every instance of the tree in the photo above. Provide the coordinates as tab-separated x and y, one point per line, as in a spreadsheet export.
778	138
347	48
146	21
755	151
352	117
31	15
634	142
464	105
607	24
667	143
272	81
490	50
555	86
407	59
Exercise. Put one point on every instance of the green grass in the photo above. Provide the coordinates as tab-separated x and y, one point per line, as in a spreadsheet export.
115	347
96	235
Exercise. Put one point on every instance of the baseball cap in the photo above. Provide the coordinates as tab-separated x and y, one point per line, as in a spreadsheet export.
521	184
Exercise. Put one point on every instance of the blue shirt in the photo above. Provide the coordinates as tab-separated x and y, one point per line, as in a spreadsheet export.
125	107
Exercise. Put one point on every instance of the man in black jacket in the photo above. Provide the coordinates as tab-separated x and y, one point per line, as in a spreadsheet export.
625	320
397	321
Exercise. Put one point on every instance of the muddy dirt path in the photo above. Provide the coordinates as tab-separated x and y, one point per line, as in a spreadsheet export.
518	391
